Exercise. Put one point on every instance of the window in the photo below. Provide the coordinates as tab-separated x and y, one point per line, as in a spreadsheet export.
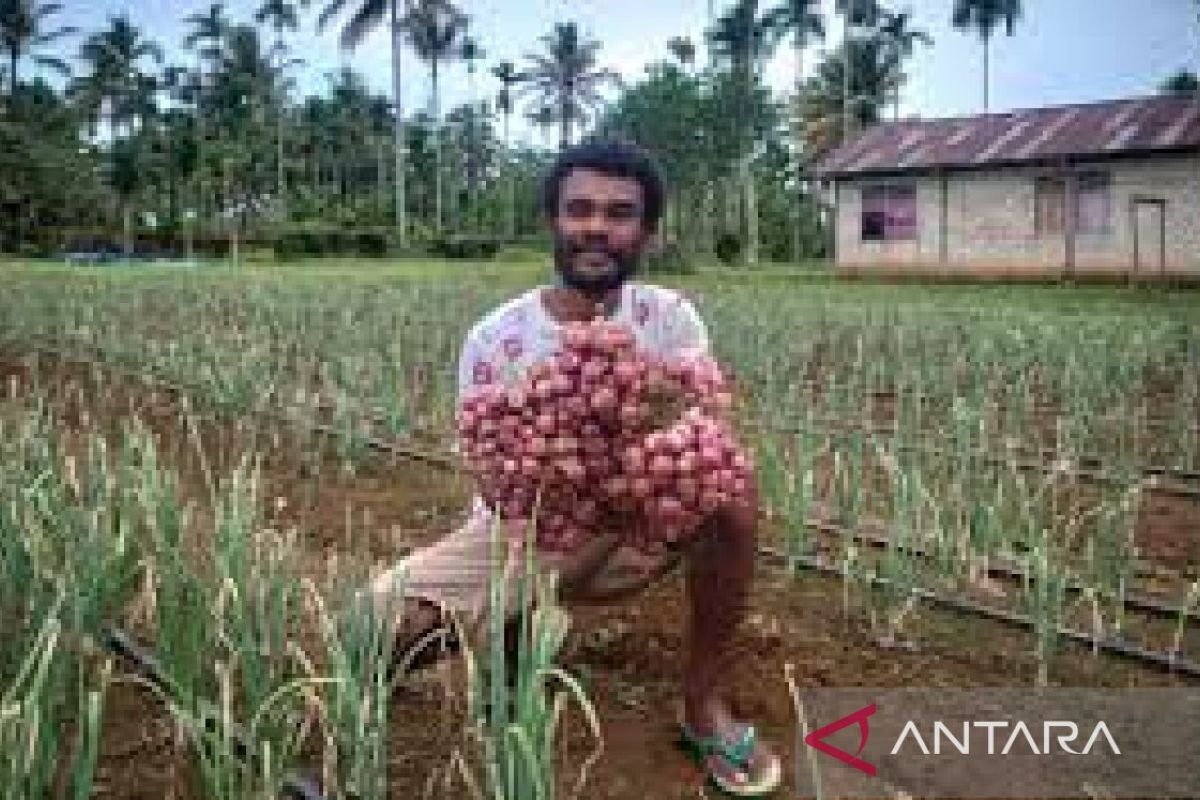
1093	212
1093	206
1049	206
889	213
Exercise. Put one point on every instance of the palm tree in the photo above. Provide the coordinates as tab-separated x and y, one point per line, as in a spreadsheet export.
470	51
803	20
244	87
827	101
434	28
509	76
506	72
469	145
21	34
684	49
984	16
1183	82
282	17
745	39
349	100
114	57
856	14
368	15
208	32
543	117
206	37
379	121
901	40
565	79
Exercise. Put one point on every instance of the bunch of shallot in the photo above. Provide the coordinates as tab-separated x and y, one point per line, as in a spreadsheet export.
604	436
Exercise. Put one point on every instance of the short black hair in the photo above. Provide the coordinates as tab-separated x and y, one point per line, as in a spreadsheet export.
615	158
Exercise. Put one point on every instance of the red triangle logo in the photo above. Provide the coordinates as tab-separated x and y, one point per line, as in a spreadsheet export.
817	739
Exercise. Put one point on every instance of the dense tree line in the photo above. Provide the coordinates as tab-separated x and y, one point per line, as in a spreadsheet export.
206	143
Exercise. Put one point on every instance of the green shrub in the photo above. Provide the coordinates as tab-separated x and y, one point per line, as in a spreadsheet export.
728	248
465	247
372	243
314	241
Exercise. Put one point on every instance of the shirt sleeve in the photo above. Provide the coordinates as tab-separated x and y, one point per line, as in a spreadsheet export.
474	367
685	334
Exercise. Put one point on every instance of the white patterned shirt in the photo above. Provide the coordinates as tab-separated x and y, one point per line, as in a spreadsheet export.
508	341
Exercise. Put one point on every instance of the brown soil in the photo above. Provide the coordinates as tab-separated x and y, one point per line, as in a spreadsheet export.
1168	532
629	655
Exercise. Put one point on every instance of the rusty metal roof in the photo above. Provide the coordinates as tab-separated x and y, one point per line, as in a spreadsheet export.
1118	127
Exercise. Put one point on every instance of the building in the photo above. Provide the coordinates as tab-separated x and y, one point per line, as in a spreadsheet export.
1096	190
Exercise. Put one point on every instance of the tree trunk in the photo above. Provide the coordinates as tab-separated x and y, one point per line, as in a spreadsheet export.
401	212
201	142
846	66
231	220
797	146
564	140
474	207
899	81
709	230
188	234
986	73
745	174
730	224
437	149
279	165
751	210
510	168
380	172
673	217
173	198
126	228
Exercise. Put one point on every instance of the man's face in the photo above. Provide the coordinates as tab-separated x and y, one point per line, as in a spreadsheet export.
598	234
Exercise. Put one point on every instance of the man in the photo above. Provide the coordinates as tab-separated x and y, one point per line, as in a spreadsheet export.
604	202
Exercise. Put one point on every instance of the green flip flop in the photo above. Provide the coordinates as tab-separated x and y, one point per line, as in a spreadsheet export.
736	753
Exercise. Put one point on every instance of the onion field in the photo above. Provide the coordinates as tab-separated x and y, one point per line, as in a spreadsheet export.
963	485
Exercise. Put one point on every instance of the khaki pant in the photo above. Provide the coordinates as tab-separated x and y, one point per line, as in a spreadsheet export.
455	572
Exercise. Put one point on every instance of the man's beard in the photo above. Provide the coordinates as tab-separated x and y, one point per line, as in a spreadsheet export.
565	253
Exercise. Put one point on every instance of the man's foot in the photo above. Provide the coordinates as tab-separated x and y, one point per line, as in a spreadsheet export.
731	754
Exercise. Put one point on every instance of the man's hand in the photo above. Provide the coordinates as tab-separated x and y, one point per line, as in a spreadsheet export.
576	567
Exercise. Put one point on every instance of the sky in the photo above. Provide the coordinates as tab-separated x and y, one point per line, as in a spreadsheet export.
1063	51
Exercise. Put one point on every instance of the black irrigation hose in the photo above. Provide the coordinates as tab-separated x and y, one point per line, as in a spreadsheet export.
1167	662
1144	603
143	663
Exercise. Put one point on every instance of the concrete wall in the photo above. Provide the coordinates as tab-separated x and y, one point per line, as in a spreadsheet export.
990	224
